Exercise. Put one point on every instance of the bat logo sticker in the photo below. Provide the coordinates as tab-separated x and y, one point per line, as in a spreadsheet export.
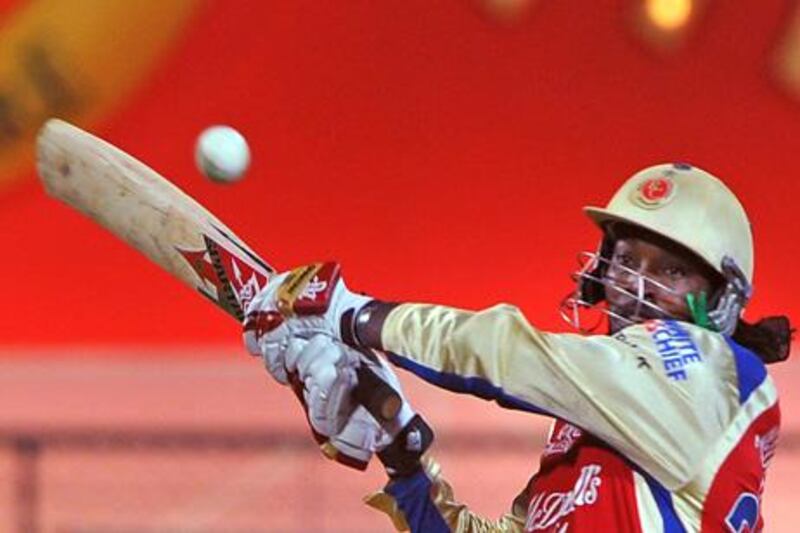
228	280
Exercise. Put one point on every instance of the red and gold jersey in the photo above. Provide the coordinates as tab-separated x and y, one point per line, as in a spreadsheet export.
664	426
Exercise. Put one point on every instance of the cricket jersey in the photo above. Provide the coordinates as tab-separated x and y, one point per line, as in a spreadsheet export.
664	426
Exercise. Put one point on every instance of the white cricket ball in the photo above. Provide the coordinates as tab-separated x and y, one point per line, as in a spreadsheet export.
222	154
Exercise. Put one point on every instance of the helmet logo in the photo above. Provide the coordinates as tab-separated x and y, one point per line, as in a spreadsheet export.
654	192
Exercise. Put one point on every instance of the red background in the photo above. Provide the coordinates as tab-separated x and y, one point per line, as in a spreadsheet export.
438	155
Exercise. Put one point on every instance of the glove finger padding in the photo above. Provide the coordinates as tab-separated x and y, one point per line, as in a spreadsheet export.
323	374
400	443
353	446
328	372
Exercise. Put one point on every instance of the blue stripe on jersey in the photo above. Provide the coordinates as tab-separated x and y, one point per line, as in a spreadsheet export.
750	369
413	497
475	386
663	498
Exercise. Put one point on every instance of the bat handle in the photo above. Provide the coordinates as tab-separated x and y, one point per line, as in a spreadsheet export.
377	396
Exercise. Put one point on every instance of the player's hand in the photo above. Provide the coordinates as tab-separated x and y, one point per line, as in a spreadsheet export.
345	431
326	369
304	302
314	299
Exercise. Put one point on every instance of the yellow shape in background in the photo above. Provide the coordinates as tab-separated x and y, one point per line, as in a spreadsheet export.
667	25
78	60
506	11
787	59
669	14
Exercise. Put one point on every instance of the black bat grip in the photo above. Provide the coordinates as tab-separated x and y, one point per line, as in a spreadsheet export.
377	396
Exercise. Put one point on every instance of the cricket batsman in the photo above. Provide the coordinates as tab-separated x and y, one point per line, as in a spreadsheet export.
667	422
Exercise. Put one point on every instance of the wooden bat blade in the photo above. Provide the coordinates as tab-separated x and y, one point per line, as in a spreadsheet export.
154	216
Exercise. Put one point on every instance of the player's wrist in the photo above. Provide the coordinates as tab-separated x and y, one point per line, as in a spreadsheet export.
366	325
402	458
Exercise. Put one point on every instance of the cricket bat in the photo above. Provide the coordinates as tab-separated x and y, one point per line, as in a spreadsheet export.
146	210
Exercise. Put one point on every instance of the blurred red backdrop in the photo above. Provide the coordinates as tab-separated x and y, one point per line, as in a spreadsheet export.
438	155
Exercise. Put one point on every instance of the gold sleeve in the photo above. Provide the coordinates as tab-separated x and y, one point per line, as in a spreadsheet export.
456	517
661	393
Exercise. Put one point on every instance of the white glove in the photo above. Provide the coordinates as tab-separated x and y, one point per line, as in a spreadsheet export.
341	303
302	303
399	443
328	371
323	374
360	438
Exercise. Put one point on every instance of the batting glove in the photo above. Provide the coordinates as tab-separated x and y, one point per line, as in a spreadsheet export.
327	370
302	303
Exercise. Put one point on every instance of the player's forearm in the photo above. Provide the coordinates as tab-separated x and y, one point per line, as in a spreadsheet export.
408	329
442	344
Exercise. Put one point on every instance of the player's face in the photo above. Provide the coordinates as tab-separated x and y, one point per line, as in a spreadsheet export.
651	273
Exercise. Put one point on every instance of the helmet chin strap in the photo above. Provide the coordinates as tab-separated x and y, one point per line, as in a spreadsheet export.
698	309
